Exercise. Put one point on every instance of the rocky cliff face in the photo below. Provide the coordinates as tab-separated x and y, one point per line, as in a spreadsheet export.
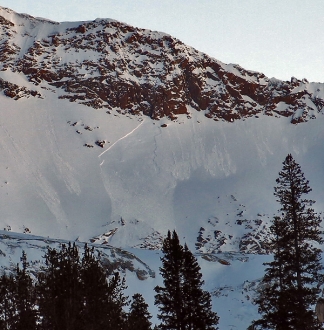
107	64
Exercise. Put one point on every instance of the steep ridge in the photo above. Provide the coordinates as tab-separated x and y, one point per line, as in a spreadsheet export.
108	64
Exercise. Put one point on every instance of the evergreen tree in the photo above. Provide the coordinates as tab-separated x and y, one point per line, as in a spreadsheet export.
290	286
197	302
272	297
25	298
138	317
103	300
7	301
59	289
94	291
74	293
183	305
17	299
170	298
70	293
116	316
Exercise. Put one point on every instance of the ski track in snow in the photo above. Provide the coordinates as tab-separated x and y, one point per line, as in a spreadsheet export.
123	137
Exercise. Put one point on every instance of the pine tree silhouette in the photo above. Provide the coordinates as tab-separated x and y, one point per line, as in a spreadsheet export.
183	304
138	316
59	289
17	299
290	286
197	302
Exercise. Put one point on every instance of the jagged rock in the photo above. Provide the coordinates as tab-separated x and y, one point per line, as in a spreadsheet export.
145	72
16	92
81	29
100	143
88	145
6	22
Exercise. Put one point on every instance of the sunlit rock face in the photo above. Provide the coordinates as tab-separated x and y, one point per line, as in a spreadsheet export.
108	64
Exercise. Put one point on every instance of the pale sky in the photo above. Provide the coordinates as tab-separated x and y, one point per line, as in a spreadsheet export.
281	38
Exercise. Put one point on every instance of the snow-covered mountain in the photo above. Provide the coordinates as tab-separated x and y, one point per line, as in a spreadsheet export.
112	135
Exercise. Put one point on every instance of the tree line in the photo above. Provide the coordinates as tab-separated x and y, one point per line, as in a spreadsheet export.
75	292
70	292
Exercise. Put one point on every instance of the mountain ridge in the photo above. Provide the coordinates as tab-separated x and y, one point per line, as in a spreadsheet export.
114	65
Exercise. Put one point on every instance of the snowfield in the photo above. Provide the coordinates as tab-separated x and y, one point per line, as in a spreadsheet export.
162	177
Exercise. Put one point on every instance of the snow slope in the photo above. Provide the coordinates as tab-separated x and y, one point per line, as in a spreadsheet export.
163	177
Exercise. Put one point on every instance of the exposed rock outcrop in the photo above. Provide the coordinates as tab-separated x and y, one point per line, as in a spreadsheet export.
107	64
16	92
